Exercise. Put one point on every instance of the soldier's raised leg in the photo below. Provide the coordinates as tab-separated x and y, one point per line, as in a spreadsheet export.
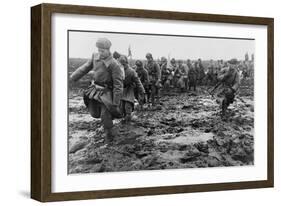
106	120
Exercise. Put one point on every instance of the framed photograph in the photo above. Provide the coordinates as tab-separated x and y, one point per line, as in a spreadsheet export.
128	102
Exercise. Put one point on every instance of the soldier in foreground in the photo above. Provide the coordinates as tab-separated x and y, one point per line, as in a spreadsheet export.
131	82
103	96
229	81
154	78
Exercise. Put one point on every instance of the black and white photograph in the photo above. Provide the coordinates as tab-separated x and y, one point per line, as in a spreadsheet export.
139	101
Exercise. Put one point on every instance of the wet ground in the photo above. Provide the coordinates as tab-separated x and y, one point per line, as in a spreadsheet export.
187	132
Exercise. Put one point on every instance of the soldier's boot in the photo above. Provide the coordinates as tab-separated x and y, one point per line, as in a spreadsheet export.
153	100
110	134
157	96
223	109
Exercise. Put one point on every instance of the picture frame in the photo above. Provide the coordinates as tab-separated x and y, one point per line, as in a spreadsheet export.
41	101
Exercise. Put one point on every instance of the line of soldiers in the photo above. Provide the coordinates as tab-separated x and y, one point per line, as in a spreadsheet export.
115	85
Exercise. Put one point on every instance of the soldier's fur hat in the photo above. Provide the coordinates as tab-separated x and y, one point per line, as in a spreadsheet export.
103	43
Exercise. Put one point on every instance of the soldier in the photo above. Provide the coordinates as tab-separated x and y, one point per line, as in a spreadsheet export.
173	69
166	74
143	76
200	72
131	82
154	75
103	96
181	74
116	55
230	80
210	78
192	76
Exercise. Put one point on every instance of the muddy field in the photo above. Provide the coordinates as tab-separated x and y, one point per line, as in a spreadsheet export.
187	132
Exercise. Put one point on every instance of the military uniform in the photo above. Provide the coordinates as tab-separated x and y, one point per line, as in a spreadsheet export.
200	73
103	96
181	74
230	79
154	78
166	76
131	82
173	68
210	77
143	76
192	77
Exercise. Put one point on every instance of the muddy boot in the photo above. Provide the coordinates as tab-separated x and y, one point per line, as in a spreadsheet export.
223	110
110	134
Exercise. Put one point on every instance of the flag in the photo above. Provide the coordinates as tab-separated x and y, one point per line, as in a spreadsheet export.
169	65
129	51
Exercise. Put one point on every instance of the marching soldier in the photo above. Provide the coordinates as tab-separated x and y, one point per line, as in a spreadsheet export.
131	82
173	69
210	77
181	74
154	75
200	72
230	80
103	96
143	76
192	76
166	74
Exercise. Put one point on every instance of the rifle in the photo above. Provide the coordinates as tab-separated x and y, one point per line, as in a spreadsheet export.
214	88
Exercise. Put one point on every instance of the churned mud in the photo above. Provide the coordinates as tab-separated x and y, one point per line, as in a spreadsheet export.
186	132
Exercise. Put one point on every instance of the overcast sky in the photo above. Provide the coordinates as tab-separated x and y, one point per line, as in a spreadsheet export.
82	45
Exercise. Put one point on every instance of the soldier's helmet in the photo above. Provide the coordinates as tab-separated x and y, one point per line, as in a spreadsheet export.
139	63
173	61
116	55
233	61
163	59
103	43
148	56
123	60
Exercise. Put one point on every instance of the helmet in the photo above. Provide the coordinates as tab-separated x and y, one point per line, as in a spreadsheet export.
148	55
233	61
116	55
173	60
139	63
163	59
123	59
